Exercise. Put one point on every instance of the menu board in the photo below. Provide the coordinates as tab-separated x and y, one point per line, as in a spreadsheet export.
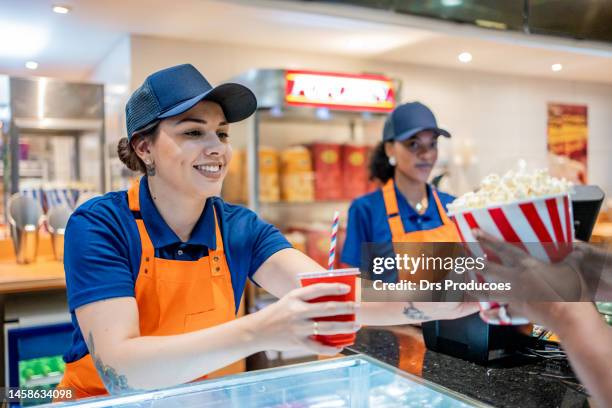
567	141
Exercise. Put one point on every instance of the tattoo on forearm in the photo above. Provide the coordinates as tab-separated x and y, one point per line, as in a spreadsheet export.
114	383
413	313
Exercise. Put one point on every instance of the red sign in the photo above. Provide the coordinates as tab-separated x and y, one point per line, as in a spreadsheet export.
340	91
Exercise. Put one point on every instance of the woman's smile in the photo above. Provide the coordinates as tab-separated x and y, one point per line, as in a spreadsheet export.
210	170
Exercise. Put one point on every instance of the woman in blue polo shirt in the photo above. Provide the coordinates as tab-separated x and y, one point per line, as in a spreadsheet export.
406	208
155	275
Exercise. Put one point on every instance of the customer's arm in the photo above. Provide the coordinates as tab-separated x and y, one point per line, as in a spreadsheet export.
586	339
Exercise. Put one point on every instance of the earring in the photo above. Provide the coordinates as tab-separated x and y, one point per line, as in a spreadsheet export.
392	161
150	166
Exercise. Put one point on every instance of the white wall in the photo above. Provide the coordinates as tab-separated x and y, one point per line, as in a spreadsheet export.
115	71
503	116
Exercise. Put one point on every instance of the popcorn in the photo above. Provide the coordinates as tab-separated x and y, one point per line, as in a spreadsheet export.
515	185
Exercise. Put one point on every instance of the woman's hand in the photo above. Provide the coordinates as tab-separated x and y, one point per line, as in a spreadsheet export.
287	324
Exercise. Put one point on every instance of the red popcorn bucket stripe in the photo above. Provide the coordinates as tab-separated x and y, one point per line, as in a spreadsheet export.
501	317
541	220
545	224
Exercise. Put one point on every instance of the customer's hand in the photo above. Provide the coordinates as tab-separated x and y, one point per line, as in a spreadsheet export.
560	317
531	279
595	262
287	324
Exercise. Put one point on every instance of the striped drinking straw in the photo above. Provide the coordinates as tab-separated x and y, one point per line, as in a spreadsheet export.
332	245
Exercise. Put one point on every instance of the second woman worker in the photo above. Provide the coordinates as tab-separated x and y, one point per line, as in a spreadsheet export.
407	208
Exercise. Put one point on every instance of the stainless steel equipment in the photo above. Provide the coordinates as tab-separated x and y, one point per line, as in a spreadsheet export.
52	131
57	220
25	217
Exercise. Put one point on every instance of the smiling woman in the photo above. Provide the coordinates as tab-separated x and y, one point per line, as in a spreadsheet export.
155	274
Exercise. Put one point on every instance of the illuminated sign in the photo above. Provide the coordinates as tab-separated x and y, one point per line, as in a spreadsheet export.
340	91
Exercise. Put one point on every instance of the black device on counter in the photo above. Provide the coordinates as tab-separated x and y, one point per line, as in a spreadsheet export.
472	339
586	203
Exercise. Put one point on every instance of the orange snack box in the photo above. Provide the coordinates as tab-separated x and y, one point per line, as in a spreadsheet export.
317	245
297	239
269	186
296	175
235	183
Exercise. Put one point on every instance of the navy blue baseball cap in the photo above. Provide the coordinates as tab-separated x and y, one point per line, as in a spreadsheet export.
409	119
177	89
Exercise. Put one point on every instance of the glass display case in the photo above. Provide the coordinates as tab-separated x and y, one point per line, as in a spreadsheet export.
355	381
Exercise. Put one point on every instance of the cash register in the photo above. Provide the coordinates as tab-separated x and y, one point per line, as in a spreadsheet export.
472	339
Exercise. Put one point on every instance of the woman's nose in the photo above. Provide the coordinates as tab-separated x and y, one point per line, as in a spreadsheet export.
213	146
428	153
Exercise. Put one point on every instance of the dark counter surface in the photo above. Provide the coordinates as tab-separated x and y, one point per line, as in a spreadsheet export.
515	382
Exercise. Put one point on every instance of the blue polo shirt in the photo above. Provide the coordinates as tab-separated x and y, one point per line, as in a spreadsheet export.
368	222
102	248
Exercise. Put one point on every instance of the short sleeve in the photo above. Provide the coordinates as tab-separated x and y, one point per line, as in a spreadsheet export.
266	241
445	199
96	259
357	233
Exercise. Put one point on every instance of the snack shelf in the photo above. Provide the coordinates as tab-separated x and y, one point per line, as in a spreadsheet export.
293	161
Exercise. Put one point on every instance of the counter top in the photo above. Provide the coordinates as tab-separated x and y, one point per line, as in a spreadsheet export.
506	384
44	274
602	232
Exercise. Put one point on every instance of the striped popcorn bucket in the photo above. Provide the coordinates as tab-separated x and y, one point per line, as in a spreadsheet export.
542	227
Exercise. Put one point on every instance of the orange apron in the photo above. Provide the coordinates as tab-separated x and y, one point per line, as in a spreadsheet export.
447	232
173	297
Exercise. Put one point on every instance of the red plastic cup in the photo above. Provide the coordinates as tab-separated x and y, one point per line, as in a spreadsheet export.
347	277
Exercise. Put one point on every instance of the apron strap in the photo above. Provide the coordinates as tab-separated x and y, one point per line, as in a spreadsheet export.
443	217
395	220
218	236
216	255
148	251
133	195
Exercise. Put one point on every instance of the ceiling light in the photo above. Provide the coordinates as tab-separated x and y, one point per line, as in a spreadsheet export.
59	9
31	65
354	44
451	3
556	67
465	57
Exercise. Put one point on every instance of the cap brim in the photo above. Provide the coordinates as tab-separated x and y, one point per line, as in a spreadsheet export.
412	132
237	101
